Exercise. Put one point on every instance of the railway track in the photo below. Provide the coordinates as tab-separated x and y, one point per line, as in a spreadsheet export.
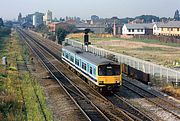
125	106
133	112
163	103
90	111
122	114
128	108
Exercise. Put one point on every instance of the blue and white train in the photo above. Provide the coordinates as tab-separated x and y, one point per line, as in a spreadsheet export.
102	73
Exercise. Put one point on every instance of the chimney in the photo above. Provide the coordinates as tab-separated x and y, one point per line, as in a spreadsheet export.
114	28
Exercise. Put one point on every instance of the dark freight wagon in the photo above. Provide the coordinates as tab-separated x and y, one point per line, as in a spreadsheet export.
136	74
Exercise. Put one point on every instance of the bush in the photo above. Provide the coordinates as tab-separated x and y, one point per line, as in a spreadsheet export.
13	68
3	75
4	31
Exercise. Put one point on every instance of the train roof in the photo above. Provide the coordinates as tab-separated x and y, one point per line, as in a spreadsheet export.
95	59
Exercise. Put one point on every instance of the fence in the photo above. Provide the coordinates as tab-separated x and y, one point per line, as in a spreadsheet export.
166	39
159	74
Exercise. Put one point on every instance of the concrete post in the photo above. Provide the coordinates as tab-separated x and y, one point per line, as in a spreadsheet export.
153	70
176	77
167	76
160	73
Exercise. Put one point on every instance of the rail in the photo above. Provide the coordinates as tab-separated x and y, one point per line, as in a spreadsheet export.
84	104
152	97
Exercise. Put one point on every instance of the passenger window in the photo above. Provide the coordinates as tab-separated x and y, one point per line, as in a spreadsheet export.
84	66
72	59
77	61
94	71
90	70
67	55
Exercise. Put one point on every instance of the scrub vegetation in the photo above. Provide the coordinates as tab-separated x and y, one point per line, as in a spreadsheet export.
21	95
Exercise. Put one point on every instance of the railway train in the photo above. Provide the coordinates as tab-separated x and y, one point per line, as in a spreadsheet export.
99	72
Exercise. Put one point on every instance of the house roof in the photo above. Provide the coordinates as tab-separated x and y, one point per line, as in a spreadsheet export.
170	24
139	26
84	25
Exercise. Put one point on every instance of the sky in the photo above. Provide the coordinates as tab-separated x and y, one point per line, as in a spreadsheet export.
9	9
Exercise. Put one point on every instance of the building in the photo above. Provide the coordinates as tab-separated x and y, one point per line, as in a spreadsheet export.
53	26
137	21
47	18
20	18
171	28
29	18
137	29
27	25
37	19
96	28
102	26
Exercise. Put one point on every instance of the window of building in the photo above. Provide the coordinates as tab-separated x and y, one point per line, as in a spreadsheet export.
137	30
141	30
177	29
90	70
77	61
162	29
171	29
84	66
132	30
72	59
129	30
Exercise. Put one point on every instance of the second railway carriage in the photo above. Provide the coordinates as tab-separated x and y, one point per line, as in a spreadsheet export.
104	74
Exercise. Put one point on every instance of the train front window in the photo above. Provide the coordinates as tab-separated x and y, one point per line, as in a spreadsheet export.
109	70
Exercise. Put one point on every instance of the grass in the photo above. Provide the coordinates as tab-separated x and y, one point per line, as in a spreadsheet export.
149	49
175	92
165	56
18	89
31	88
153	41
96	38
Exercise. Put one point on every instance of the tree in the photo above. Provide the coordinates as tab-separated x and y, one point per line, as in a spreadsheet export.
70	28
176	15
8	24
42	28
109	30
126	20
63	30
148	18
61	34
1	22
4	31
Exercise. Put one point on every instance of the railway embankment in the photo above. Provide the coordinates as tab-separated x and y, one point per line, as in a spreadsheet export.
21	95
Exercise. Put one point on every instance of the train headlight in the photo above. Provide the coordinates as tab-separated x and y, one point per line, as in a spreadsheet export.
101	82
